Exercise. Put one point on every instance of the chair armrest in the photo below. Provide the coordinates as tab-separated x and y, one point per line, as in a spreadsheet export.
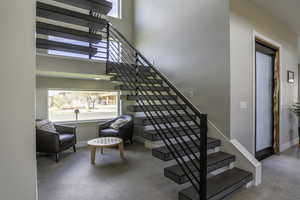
65	129
126	127
105	125
47	141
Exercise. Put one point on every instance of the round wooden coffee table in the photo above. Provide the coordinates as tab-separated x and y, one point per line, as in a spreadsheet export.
105	142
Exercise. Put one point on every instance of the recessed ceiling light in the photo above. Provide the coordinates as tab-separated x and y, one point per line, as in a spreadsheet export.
97	79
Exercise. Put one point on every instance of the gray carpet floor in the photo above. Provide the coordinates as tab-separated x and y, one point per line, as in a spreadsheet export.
140	177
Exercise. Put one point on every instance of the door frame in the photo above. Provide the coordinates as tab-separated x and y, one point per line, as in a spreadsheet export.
269	151
271	43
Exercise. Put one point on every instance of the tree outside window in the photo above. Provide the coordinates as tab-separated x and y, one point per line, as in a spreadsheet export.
92	105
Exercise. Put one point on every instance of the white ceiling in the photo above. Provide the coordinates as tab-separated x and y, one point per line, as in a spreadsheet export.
288	11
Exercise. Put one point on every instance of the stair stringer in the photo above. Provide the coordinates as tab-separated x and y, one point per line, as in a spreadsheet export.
244	159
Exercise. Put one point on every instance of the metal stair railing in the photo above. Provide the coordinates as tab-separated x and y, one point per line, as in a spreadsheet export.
128	56
184	137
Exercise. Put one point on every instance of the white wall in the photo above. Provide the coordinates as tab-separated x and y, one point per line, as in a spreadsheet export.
190	44
85	131
125	24
299	49
69	65
17	83
245	17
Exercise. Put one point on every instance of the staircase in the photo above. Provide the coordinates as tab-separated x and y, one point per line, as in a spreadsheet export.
168	116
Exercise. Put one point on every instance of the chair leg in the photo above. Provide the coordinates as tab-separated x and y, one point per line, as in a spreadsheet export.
57	157
74	148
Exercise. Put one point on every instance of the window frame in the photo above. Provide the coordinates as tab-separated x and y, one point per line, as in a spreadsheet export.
119	110
120	16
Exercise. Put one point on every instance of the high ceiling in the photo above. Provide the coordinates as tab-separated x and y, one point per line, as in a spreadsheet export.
288	11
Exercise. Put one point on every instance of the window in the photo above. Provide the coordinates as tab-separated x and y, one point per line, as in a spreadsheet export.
82	105
116	9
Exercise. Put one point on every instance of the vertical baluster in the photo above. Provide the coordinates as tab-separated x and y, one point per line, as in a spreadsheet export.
136	72
108	40
107	45
90	32
203	158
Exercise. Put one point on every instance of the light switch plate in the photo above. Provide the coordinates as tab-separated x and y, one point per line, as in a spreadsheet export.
191	93
243	105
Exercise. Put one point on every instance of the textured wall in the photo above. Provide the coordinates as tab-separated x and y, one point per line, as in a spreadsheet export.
189	43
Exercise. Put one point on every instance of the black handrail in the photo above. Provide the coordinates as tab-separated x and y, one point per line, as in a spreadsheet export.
166	139
133	62
160	74
168	122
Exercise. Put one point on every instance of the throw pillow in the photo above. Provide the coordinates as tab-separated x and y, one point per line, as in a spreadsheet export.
45	125
118	124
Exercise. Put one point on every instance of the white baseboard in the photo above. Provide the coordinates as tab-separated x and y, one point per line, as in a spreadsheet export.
289	144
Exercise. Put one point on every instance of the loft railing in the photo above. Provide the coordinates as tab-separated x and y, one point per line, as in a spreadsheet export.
127	62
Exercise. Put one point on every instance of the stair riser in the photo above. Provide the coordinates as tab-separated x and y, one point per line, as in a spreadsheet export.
168	156
184	179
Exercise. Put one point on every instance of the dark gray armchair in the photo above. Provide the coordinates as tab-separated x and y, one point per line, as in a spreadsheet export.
125	132
55	142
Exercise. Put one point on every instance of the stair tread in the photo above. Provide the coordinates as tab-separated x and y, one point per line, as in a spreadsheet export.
130	67
68	16
137	108
220	185
214	161
152	135
143	88
165	149
170	129
162	117
60	46
73	34
140	79
164	154
101	6
152	97
144	73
